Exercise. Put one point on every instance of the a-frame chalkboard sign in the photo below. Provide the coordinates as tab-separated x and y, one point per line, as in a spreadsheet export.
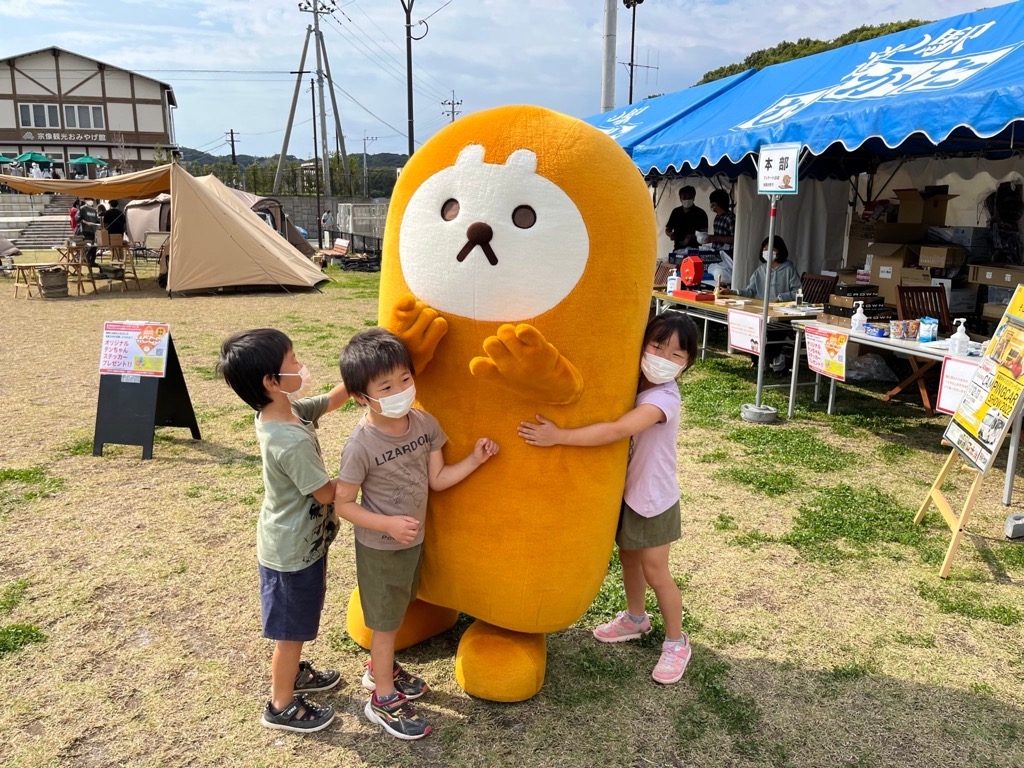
131	406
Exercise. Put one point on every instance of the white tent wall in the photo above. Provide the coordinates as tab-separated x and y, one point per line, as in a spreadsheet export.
813	223
971	179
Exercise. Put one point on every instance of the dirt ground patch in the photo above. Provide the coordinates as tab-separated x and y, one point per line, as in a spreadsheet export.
819	639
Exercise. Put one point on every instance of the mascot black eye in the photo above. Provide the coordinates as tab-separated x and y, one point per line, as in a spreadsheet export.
450	209
524	217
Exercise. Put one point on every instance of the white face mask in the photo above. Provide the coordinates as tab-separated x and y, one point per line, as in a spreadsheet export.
658	370
687	203
396	406
299	393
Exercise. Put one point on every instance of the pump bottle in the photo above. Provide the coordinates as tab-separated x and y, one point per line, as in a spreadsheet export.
672	285
959	341
859	318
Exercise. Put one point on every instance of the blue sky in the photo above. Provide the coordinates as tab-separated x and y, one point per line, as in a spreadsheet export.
489	52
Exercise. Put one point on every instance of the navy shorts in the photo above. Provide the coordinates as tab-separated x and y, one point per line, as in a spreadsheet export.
291	602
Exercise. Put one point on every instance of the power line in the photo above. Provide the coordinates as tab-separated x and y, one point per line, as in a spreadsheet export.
397	48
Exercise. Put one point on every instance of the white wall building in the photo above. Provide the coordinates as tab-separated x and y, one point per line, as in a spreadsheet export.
64	105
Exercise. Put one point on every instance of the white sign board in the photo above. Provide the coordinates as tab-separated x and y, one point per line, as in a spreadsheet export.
745	331
777	167
956	377
134	348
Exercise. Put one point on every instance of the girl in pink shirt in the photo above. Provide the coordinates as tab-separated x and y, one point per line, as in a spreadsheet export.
650	518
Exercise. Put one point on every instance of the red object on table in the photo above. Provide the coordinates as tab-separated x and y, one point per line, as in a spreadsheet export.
693	295
691	270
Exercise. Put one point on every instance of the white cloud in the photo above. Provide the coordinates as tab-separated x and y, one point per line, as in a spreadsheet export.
490	52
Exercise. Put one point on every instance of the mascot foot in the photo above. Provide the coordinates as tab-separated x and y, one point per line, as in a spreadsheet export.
422	621
500	665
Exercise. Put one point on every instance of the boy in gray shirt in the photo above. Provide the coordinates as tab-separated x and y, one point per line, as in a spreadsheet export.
393	455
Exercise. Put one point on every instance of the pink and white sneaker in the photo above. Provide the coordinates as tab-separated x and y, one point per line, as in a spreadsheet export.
675	655
622	628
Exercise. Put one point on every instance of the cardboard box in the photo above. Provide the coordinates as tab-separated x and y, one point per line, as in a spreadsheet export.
842	322
848	301
863	277
991	311
999	295
887	260
916	276
961	301
995	274
858	290
927	207
857	252
941	256
971	238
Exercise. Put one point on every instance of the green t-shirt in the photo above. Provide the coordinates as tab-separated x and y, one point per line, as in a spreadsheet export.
292	533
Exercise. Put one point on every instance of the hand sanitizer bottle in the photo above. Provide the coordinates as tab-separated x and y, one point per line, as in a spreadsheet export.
672	285
799	297
858	319
958	341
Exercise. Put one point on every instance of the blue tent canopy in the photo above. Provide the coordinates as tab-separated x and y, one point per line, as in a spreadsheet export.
952	86
631	124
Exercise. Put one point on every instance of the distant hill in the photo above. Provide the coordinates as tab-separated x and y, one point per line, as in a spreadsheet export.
380	160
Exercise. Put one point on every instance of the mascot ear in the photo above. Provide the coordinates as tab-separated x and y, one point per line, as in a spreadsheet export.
472	153
524	160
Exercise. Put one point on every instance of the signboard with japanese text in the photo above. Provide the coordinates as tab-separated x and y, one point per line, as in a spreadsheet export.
956	378
134	347
744	331
777	166
993	397
826	352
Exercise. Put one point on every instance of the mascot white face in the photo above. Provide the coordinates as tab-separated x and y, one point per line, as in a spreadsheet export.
492	242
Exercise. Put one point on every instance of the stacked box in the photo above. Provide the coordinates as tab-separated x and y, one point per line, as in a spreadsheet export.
860	290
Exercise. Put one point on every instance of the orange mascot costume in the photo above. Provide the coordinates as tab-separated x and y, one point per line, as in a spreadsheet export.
519	256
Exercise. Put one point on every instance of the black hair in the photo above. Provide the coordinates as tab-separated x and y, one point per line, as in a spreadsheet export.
664	326
688	190
371	354
247	357
781	251
721	198
114	203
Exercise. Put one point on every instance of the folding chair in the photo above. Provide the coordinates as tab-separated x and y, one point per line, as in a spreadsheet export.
123	257
152	242
912	303
817	288
661	275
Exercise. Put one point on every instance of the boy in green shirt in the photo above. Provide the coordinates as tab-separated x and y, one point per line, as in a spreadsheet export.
296	522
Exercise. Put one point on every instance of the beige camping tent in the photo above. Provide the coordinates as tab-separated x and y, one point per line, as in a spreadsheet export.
216	240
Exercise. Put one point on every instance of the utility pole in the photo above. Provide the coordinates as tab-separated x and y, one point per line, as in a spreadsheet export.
231	140
453	104
291	112
608	64
366	173
407	7
316	7
316	166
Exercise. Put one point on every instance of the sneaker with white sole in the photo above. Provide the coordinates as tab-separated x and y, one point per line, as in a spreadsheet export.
622	628
310	679
407	684
675	655
397	717
312	717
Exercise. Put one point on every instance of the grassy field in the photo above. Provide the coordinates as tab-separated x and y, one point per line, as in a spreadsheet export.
822	636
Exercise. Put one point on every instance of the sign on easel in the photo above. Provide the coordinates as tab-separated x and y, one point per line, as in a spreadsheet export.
956	377
141	387
981	422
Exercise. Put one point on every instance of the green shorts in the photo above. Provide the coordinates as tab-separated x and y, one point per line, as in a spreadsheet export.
388	580
638	532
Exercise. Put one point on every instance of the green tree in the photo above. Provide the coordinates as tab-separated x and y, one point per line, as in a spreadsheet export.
806	46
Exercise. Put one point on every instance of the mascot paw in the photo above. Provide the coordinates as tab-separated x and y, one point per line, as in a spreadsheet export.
422	621
419	327
500	665
521	359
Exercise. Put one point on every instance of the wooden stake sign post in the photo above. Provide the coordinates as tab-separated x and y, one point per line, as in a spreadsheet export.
141	387
979	426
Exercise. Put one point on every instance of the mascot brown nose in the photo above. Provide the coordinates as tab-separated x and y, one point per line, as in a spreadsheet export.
479	233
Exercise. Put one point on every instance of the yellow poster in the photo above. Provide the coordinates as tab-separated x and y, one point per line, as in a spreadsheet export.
990	403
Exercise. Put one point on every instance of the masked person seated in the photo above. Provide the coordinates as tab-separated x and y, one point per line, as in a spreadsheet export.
782	285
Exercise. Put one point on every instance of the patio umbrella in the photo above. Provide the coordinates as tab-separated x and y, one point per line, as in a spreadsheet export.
4	159
33	157
88	160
